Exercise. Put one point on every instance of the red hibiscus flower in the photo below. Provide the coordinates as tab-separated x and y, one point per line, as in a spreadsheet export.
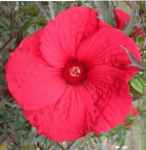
122	18
71	77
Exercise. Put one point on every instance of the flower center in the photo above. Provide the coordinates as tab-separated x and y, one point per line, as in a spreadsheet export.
75	72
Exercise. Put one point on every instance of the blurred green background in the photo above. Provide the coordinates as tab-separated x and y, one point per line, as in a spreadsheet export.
17	19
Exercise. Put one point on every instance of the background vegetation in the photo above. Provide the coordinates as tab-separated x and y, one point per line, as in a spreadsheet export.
17	19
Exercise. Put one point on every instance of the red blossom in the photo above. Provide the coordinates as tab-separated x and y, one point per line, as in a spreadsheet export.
71	77
122	18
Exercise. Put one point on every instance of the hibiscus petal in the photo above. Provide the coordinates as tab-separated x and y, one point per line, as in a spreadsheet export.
51	48
122	18
104	48
114	113
63	121
33	82
113	102
62	36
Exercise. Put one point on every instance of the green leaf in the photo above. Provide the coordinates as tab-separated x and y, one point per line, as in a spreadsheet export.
138	85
